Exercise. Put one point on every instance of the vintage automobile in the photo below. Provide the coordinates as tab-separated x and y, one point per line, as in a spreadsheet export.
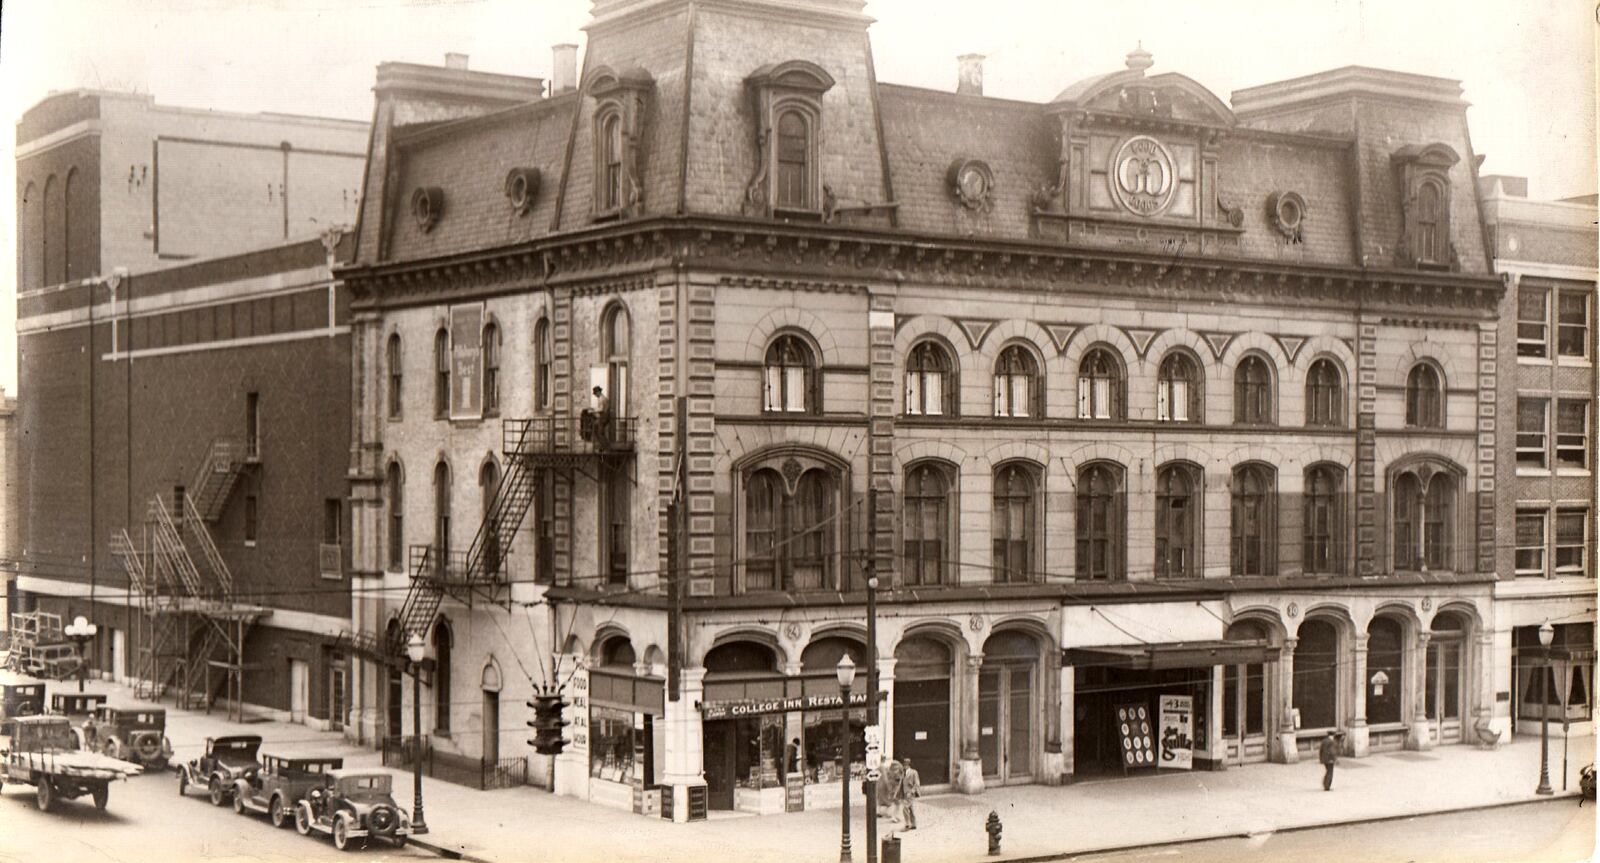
20	695
227	760
134	734
78	708
353	804
41	751
279	786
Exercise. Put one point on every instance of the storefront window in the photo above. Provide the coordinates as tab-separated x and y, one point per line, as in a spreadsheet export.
822	746
758	752
611	744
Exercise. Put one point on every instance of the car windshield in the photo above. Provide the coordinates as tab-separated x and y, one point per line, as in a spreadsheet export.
35	736
364	784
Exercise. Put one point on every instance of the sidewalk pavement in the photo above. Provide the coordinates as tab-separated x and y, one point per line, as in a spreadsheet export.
1039	821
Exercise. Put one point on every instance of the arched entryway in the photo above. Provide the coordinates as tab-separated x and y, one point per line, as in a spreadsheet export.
1445	688
1008	687
924	667
1316	675
1386	670
1246	710
732	746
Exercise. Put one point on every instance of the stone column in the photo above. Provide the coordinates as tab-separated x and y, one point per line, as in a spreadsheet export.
886	705
1051	765
685	762
1488	729
1069	718
969	770
1419	734
1288	750
1358	743
1215	743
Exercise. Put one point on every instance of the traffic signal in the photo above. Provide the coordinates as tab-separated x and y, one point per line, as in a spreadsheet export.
547	723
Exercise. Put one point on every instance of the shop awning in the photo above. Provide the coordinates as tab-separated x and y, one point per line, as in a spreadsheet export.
1175	654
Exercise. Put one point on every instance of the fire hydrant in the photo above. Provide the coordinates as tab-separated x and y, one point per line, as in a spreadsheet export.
992	827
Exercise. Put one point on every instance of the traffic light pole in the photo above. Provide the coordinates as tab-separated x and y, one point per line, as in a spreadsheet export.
872	663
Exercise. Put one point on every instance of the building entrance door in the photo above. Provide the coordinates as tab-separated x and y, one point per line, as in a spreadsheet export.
1444	688
299	690
396	703
491	727
1005	726
719	764
119	655
922	708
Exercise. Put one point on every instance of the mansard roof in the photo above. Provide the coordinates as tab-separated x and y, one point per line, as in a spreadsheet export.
1129	91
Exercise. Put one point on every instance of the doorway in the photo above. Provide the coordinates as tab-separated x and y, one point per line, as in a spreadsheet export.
491	727
336	695
1444	676
299	690
922	708
719	762
396	703
119	653
1006	707
1244	700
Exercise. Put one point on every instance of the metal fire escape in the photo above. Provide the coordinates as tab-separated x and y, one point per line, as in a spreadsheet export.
192	623
530	447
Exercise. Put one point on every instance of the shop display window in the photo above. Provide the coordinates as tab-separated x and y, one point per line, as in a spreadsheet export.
612	742
759	752
821	741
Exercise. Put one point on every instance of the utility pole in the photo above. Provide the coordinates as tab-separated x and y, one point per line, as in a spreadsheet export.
871	567
675	537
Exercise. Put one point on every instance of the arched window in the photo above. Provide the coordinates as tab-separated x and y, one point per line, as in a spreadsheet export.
1012	523
1016	383
1432	240
542	356
544	567
442	645
489	488
930	387
441	373
1099	386
397	516
1252	528
1100	533
1316	674
32	251
790	376
1178	390
1324	519
392	360
491	369
611	162
1244	685
1324	403
794	157
441	513
926	524
1252	391
616	506
789	537
1424	520
1424	408
617	346
1385	657
67	267
51	212
1177	521
617	652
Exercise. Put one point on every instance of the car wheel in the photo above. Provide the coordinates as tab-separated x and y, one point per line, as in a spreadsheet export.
101	795
399	841
218	796
275	810
341	832
302	819
45	794
110	748
183	781
238	803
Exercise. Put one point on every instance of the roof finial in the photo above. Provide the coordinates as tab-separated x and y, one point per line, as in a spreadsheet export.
1139	59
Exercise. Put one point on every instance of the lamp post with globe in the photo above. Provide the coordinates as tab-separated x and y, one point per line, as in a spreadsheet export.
80	631
846	670
414	652
1547	634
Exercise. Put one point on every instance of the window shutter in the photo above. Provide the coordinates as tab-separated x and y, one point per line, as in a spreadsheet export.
1019	395
795	391
932	398
774	387
1083	398
1164	392
913	393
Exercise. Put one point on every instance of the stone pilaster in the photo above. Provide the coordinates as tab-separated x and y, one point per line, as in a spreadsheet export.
880	426
1358	743
1288	750
1368	543
685	750
699	349
1419	733
1488	352
969	770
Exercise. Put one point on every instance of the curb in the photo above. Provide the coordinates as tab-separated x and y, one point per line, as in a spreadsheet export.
1234	834
446	853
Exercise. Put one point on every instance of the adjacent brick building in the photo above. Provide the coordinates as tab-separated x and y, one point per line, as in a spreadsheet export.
1130	399
1546	562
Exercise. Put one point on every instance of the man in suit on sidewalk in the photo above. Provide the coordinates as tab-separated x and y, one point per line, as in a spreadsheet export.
1328	752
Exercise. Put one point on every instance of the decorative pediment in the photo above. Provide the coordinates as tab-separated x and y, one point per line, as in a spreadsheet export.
1219	342
975	329
1061	334
605	82
792	75
1169	97
1291	344
1435	155
1141	338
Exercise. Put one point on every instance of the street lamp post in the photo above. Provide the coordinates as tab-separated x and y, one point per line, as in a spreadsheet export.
1547	634
847	677
80	630
414	652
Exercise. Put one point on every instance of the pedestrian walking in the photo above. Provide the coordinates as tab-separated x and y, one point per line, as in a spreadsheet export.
910	790
888	790
1328	752
792	757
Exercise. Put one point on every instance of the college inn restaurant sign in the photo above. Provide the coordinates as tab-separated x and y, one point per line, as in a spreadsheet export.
735	708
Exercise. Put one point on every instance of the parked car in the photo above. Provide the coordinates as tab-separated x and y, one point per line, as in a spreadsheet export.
279	786
353	804
41	751
226	760
79	709
20	695
136	734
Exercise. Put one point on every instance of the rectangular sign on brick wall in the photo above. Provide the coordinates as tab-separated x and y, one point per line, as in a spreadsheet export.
466	361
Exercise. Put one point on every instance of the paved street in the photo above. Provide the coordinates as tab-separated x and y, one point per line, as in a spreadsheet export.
146	820
1552	832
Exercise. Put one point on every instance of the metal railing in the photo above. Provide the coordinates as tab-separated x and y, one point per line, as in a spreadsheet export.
584	434
401	753
430	564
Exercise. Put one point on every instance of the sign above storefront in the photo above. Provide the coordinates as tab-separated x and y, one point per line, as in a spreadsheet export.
758	707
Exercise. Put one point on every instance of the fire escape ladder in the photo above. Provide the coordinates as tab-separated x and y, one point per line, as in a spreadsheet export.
486	558
218	474
197	667
424	597
195	531
168	544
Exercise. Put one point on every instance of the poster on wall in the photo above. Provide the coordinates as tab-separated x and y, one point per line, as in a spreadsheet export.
1177	732
466	361
1134	733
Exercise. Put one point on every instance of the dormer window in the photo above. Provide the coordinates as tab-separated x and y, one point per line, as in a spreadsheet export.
1424	174
618	132
788	110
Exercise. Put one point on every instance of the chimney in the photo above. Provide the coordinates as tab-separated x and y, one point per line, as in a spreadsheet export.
563	68
970	81
454	60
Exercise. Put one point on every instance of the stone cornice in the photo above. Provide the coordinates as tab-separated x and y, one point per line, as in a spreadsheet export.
772	253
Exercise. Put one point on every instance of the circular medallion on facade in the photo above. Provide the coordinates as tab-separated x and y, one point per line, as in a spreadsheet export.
1427	603
971	180
975	623
793	631
1144	177
427	203
1293	610
1287	213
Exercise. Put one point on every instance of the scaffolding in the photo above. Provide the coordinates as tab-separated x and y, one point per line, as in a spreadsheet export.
192	630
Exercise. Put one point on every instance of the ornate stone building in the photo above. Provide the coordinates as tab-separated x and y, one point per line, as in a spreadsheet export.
1131	395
